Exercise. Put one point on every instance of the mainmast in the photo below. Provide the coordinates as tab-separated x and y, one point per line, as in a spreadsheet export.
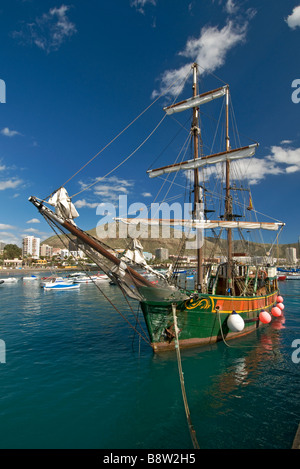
228	201
197	199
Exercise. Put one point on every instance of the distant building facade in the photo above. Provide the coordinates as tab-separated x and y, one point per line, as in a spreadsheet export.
31	247
162	254
291	255
46	251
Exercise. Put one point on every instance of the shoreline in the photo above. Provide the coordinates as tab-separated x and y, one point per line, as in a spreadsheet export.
26	270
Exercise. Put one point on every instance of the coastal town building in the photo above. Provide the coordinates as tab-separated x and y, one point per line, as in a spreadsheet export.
31	247
46	251
13	263
291	256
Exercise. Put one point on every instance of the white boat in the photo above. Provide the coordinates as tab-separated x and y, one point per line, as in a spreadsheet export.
9	280
56	280
83	278
32	277
60	284
101	277
293	277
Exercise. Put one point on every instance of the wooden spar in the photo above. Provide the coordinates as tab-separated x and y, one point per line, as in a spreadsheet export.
228	205
207	93
195	131
88	240
203	158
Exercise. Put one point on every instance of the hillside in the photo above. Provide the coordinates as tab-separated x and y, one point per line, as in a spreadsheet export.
174	245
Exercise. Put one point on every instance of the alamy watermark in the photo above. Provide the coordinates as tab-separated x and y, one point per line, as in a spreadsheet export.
157	221
296	94
2	351
296	353
2	91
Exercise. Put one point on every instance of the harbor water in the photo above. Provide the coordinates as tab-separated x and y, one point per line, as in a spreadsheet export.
76	376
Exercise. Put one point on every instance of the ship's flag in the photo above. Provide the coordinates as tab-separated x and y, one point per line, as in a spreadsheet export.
250	206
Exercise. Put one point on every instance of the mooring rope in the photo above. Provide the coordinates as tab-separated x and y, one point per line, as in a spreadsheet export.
186	407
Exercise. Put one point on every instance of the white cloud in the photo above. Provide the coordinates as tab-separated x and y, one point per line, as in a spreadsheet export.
281	160
106	190
9	238
6	227
49	31
83	203
231	7
33	220
146	194
10	184
293	20
9	133
32	230
140	4
209	50
287	156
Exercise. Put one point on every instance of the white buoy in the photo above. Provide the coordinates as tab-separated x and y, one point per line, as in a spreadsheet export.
235	322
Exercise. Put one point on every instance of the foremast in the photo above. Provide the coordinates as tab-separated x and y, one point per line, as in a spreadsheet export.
228	202
198	202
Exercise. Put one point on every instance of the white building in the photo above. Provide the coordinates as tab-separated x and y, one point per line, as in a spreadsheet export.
31	247
291	255
64	253
46	251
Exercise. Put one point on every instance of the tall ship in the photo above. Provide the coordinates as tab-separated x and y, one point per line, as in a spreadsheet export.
229	298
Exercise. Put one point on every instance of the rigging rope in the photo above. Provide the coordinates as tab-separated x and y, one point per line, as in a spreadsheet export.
145	338
122	162
165	92
186	407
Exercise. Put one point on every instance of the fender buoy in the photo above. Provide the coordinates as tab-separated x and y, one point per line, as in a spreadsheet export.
235	322
276	311
265	317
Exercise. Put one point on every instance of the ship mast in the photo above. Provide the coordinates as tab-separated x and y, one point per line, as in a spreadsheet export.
228	201
197	199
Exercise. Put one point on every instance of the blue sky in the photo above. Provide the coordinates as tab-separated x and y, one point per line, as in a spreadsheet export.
78	72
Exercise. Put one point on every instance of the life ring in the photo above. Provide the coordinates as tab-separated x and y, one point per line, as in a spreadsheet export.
262	274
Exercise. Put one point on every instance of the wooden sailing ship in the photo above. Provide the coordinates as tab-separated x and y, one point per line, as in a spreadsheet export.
229	299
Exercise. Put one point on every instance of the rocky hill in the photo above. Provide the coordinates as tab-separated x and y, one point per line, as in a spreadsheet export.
212	248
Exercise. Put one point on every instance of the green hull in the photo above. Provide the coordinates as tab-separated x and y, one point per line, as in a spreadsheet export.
202	321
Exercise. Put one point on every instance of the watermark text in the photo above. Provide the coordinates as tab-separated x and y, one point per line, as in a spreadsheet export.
2	91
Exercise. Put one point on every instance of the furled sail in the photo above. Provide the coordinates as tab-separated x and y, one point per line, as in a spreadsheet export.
196	101
63	205
134	255
206	224
237	153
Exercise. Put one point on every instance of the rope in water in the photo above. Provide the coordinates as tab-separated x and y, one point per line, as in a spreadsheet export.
186	407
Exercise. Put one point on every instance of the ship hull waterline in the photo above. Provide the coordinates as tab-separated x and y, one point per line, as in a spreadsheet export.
202	321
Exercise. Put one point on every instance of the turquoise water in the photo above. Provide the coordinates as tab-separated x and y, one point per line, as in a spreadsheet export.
76	376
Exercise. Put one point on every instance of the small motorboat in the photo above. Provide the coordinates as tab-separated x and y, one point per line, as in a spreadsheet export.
9	280
60	284
51	280
281	278
101	277
31	277
293	276
1	281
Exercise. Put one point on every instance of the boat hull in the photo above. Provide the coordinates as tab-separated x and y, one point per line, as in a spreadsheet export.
202	321
61	286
